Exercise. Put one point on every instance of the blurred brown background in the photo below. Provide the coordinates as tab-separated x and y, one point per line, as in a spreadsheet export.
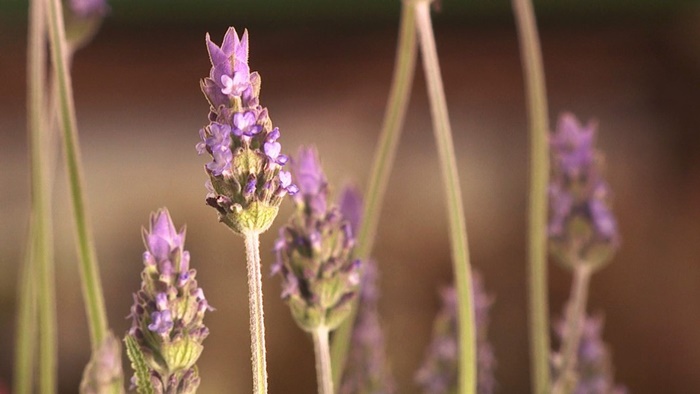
635	67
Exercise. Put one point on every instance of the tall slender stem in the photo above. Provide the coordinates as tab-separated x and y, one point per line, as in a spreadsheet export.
40	240
384	156
575	317
323	361
450	177
90	280
26	328
257	320
533	70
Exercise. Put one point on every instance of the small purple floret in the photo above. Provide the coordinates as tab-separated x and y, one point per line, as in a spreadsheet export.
244	124
162	322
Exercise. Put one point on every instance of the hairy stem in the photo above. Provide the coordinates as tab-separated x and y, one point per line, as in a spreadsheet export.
575	316
257	320
457	225
533	70
90	280
382	164
323	361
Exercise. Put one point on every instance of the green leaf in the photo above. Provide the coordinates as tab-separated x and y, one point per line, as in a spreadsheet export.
138	363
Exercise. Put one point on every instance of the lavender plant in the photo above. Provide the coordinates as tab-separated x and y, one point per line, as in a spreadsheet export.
439	372
367	369
582	232
246	181
319	278
538	116
594	370
167	329
46	18
315	256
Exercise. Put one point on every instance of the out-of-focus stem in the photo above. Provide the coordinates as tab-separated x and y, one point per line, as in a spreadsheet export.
533	70
25	334
324	377
40	240
575	316
384	156
457	225
90	279
257	320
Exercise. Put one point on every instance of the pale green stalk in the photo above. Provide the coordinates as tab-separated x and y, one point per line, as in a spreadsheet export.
257	320
40	239
324	378
575	317
455	211
26	327
90	280
381	168
533	70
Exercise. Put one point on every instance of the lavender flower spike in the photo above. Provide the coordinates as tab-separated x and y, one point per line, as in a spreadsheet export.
594	372
367	369
168	311
319	279
438	374
246	180
104	371
582	227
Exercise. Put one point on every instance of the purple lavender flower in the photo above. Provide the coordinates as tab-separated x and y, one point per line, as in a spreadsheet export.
86	9
582	228
367	369
245	173
313	186
168	311
319	279
438	374
594	372
104	371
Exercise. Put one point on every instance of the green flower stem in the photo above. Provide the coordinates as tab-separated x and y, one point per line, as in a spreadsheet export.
91	285
40	254
25	333
381	168
257	320
457	225
531	55
575	316
323	361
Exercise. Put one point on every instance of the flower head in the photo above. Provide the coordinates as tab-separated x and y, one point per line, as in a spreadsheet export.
594	372
104	371
438	374
581	226
247	183
86	9
168	311
367	369
319	278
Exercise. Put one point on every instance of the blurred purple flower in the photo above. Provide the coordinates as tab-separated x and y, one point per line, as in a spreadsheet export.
319	278
311	181
88	8
438	373
594	371
582	228
367	369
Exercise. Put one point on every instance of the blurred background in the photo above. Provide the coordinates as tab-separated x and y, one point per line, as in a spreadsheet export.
326	67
